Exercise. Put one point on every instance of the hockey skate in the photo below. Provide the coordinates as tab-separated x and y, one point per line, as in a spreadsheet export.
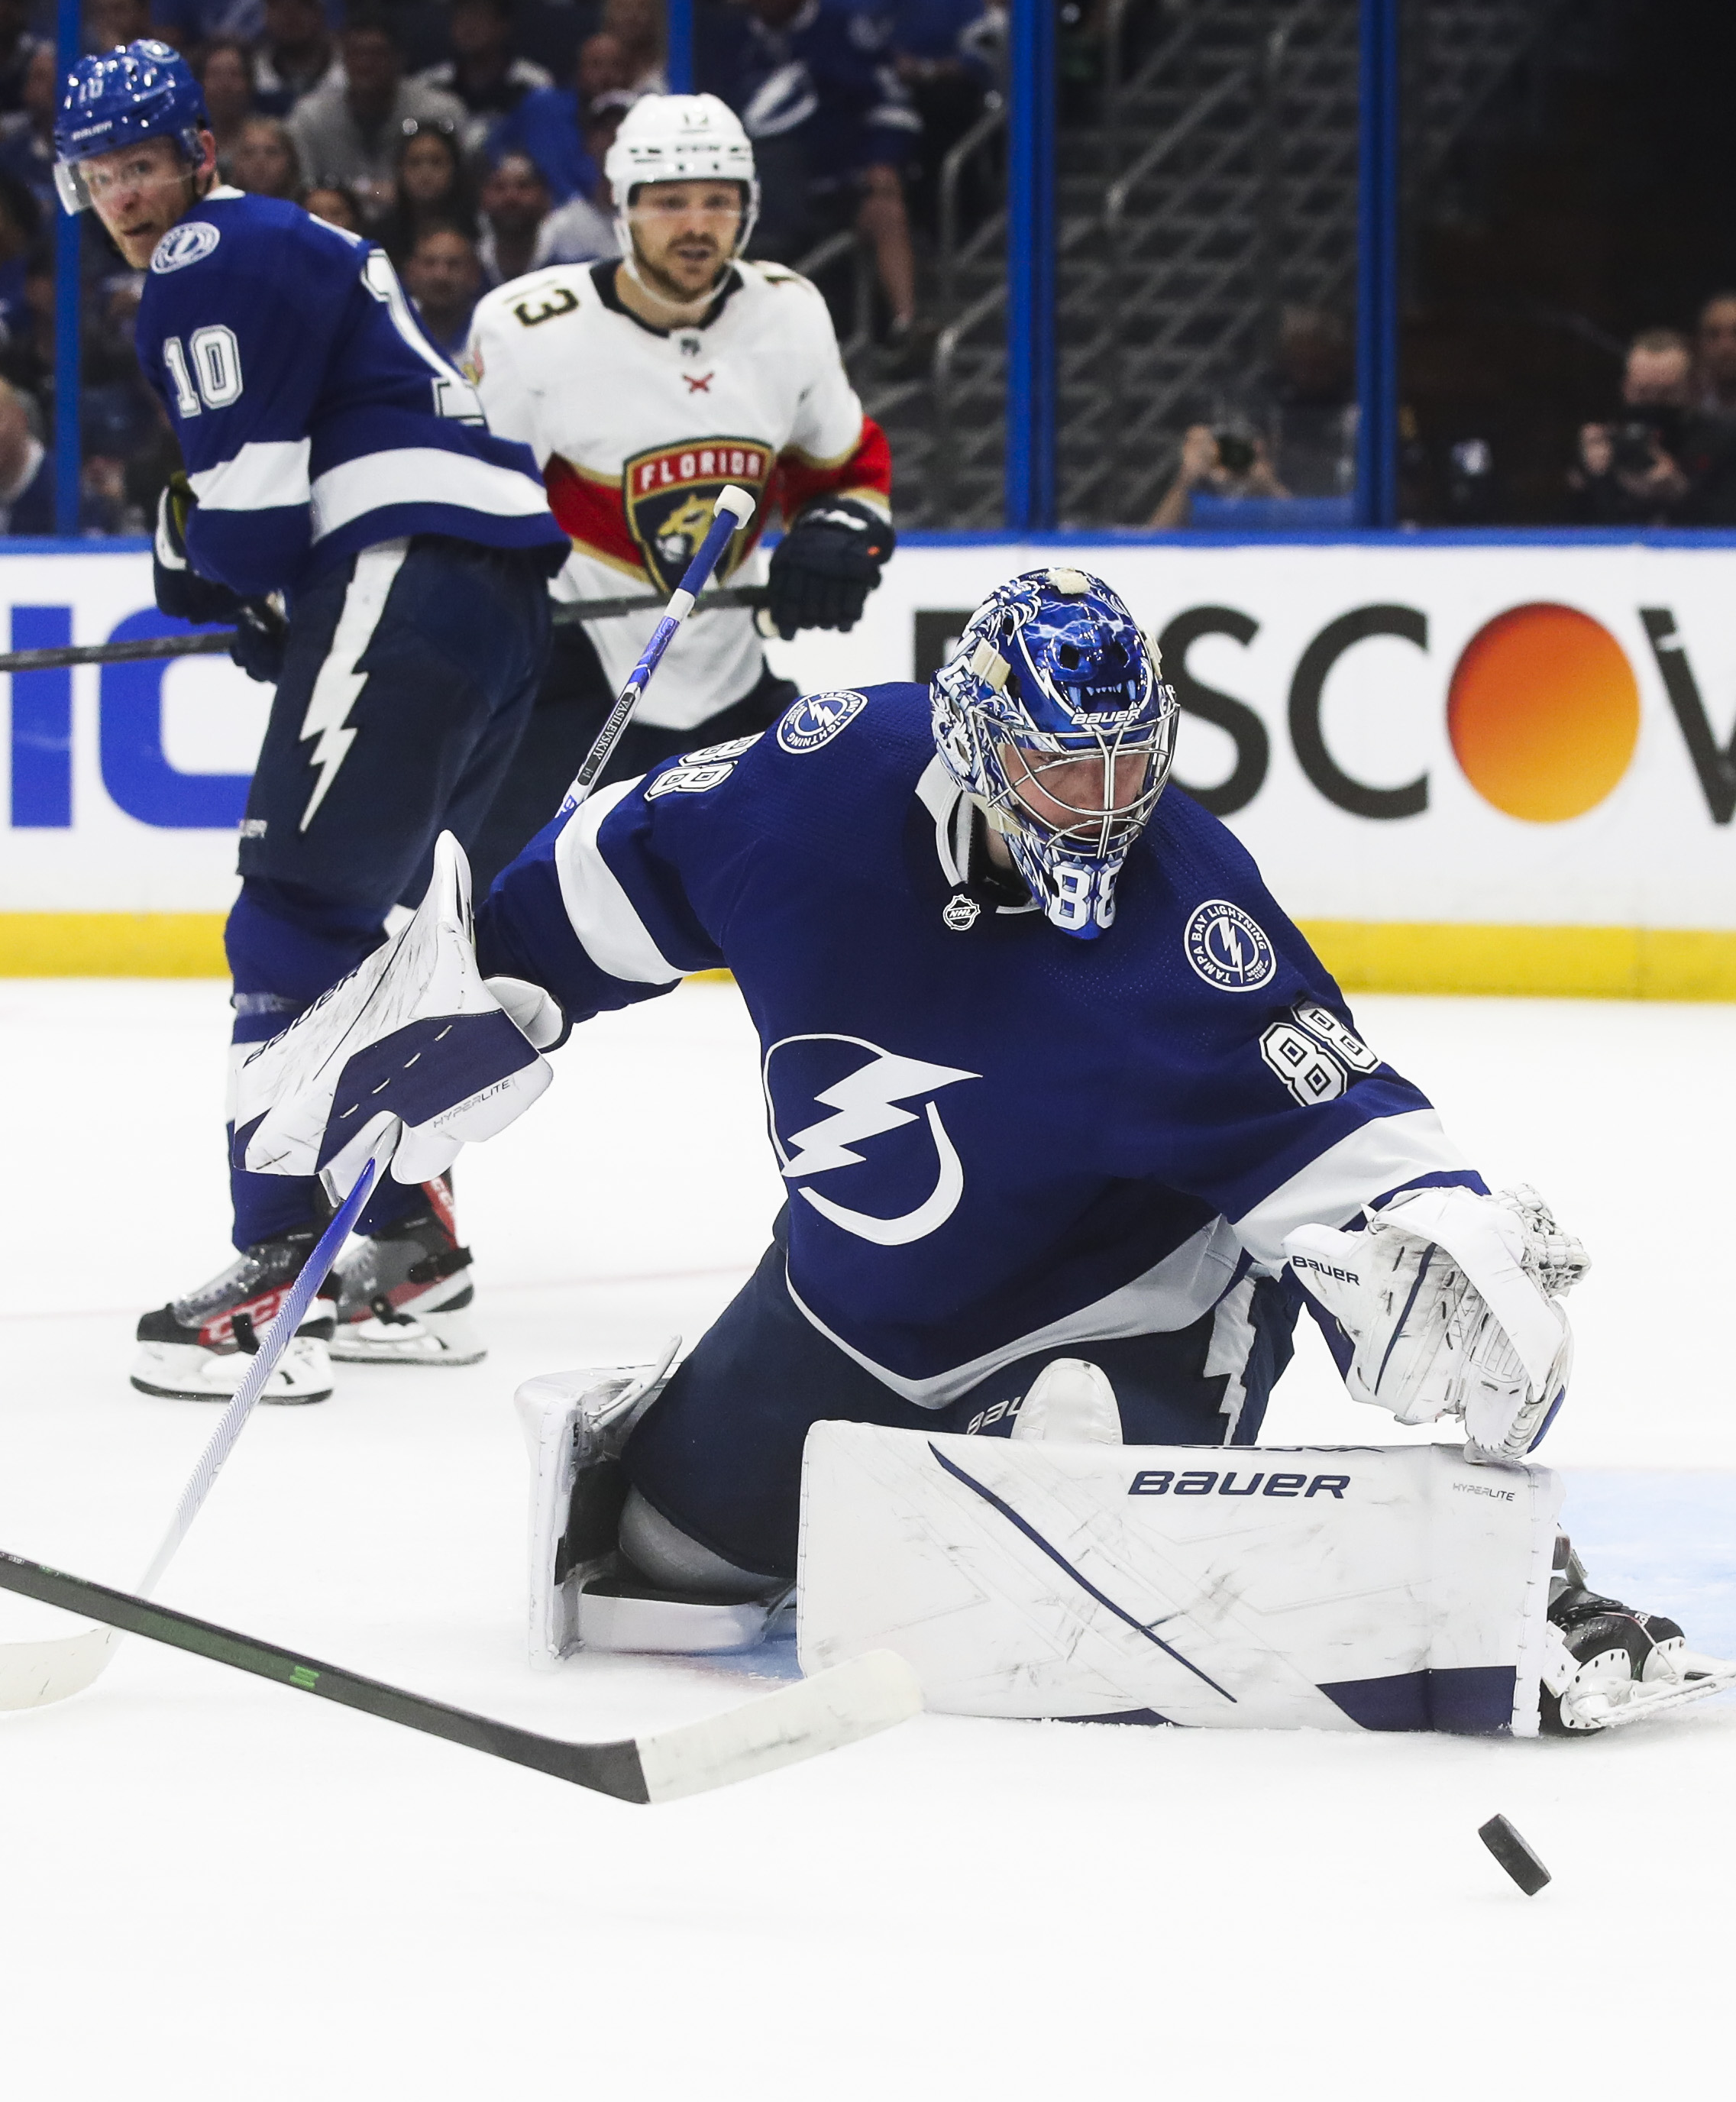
1606	1666
199	1348
585	1592
405	1294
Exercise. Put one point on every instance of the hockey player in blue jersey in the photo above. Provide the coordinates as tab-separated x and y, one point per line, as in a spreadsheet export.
1071	1118
338	461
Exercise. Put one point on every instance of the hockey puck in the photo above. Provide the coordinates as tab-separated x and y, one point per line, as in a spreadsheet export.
1503	1841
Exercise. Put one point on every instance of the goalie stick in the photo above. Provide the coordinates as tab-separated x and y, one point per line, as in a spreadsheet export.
214	641
733	507
833	1709
33	1674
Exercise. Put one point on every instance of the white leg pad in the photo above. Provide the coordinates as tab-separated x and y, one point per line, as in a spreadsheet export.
571	1420
1234	1587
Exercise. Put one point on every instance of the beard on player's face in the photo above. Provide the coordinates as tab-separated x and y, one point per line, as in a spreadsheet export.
683	235
684	266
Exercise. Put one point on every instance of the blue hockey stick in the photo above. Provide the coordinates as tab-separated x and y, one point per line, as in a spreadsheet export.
733	508
32	1674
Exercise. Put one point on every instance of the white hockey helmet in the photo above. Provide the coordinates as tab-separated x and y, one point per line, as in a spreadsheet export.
677	139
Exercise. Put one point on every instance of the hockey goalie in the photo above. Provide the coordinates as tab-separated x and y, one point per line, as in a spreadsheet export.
1074	1127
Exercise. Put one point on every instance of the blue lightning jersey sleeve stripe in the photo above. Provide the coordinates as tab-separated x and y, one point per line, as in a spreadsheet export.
988	1131
314	416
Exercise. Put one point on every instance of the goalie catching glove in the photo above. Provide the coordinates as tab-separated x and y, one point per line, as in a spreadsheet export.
825	567
1450	1302
413	1032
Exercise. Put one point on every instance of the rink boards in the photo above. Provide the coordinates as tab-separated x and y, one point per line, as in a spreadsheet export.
1466	764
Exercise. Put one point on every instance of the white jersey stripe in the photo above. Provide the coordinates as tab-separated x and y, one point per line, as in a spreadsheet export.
601	913
421	474
1378	1156
1173	1294
261	477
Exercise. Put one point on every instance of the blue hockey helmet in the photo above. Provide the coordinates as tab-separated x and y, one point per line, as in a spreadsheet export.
1052	670
144	89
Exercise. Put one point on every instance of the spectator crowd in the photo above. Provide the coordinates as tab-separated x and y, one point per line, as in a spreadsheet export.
1666	453
469	138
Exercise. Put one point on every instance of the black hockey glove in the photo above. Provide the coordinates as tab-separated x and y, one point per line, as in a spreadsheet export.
825	567
185	595
260	634
181	591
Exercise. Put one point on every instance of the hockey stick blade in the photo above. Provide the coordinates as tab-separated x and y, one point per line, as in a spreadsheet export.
835	1708
35	1674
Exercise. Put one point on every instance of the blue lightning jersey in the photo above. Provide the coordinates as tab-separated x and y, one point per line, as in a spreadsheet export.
314	415
995	1138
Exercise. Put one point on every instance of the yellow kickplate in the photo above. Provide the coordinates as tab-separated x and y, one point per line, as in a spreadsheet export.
112	945
1608	963
1611	963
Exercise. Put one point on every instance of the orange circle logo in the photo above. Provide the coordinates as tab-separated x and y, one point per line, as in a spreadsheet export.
1543	712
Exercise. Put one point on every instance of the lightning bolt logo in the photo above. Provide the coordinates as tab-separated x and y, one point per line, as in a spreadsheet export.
864	1104
339	682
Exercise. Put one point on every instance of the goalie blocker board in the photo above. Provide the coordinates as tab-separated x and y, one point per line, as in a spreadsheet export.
1331	1588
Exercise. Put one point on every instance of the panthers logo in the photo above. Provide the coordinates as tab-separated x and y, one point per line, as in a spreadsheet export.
668	494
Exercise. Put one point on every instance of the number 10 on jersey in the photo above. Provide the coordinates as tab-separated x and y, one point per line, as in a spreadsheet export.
211	361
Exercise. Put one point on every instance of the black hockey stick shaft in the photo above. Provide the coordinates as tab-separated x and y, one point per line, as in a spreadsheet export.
210	642
610	1769
569	613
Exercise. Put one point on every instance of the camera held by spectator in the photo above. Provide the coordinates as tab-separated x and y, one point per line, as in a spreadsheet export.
1630	470
1227	460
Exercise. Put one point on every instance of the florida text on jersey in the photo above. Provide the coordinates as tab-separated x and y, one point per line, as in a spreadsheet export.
315	417
637	428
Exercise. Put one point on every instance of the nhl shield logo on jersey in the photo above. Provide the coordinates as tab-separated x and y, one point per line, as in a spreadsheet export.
1227	948
669	494
189	242
816	719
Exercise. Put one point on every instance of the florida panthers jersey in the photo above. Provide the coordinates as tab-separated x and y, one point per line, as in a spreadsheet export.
314	416
637	429
995	1139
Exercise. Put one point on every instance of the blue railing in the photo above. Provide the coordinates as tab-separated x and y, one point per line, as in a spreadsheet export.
68	313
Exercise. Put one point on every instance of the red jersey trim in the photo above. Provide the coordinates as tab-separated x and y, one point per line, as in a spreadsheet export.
869	467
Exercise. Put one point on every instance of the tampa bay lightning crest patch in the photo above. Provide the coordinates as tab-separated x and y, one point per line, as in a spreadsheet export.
189	242
1227	948
816	719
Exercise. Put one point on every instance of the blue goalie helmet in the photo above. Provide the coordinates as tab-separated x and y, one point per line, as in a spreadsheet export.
1051	717
144	90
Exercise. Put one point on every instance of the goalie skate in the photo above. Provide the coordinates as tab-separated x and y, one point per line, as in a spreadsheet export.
1605	1665
404	1295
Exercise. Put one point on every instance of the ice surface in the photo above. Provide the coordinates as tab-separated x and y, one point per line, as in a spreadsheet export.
213	1889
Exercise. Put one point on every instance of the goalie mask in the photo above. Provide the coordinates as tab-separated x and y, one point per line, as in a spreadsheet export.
1050	717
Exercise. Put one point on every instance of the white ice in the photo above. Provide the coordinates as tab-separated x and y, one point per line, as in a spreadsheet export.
214	1889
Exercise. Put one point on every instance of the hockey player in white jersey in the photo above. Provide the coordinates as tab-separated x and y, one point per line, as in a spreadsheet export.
642	386
1073	1123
